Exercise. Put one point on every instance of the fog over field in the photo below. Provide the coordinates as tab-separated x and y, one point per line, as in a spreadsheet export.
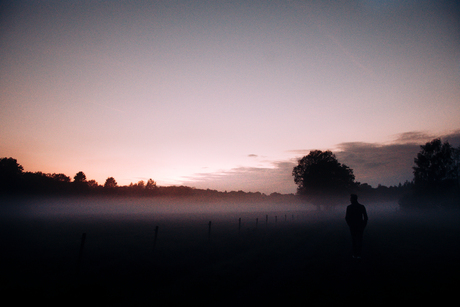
50	207
282	253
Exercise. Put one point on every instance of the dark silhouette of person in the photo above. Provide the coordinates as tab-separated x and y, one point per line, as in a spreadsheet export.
356	218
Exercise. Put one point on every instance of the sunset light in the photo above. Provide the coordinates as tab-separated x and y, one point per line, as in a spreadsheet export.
226	95
229	152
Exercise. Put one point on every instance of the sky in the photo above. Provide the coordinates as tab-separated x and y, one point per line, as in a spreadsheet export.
226	95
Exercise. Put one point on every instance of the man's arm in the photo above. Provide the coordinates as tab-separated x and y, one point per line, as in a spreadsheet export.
365	218
347	216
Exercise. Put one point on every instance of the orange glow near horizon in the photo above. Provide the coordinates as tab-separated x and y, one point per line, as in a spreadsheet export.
225	95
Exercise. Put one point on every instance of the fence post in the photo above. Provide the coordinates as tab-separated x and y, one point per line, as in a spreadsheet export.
209	231
155	238
80	255
239	225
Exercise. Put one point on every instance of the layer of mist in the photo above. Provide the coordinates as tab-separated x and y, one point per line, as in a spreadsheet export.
49	207
264	252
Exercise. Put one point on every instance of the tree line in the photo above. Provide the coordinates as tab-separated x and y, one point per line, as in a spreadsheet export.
15	181
322	180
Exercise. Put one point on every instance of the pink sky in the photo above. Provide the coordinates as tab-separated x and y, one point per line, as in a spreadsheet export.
225	94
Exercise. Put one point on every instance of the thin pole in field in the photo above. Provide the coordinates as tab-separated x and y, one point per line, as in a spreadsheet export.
209	230
155	238
80	254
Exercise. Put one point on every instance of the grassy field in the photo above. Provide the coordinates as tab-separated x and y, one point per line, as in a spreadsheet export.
301	259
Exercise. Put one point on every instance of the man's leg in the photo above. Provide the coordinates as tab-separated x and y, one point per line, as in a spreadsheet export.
357	242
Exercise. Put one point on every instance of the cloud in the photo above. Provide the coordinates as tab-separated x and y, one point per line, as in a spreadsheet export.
420	137
388	164
413	137
379	164
276	178
453	138
372	163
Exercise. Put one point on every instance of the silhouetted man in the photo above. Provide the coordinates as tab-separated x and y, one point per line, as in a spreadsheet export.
357	220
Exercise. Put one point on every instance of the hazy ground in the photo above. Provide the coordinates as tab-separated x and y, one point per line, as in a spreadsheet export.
298	257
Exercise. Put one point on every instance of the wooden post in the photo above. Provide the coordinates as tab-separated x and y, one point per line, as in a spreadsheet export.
80	255
155	238
209	231
239	225
257	222
266	220
285	217
276	218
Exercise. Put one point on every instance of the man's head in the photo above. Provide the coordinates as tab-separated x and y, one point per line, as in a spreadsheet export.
353	198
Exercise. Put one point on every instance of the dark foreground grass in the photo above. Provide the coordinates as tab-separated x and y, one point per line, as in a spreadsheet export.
301	261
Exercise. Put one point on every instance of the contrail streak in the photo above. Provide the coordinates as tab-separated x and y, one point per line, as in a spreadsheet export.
351	56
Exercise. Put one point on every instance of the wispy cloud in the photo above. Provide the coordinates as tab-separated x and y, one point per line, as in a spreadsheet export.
276	178
413	137
421	137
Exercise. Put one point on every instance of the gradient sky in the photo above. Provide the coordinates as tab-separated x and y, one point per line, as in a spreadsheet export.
226	95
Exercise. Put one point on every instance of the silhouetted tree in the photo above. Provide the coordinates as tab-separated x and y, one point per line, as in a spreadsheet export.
80	177
39	183
176	191
60	177
10	167
456	156
93	184
151	184
79	182
10	175
141	185
435	168
137	188
319	176
110	183
435	177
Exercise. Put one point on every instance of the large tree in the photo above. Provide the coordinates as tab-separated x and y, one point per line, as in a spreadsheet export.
10	167
80	183
319	175
79	177
435	177
110	183
435	167
10	174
